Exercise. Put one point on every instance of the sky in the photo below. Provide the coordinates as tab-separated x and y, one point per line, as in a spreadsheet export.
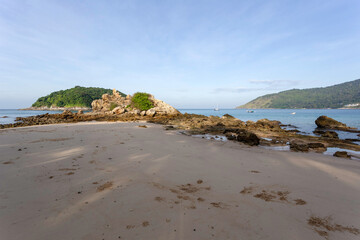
190	54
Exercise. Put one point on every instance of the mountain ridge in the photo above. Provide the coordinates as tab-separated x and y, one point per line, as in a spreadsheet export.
343	95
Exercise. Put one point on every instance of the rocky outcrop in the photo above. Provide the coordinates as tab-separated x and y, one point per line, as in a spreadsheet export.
123	105
107	101
342	154
327	134
301	146
242	135
264	124
324	122
227	116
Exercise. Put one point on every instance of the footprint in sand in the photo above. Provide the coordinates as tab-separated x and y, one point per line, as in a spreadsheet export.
325	225
272	196
104	186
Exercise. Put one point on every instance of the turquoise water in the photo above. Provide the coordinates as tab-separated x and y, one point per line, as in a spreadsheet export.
14	113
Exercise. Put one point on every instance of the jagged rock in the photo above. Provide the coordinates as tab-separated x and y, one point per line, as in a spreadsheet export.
299	146
104	104
242	135
329	123
162	108
118	110
80	112
142	113
342	154
150	112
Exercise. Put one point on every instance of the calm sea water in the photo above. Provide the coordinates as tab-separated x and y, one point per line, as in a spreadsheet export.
304	119
11	114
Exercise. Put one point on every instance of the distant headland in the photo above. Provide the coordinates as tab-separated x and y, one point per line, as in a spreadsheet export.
344	95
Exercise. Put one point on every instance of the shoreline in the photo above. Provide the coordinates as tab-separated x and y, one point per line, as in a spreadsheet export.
112	179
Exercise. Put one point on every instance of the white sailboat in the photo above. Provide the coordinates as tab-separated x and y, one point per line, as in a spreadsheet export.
217	108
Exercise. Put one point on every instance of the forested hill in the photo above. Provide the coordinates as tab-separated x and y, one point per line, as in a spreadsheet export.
73	97
337	96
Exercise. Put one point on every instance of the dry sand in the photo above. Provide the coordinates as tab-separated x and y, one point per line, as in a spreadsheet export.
120	181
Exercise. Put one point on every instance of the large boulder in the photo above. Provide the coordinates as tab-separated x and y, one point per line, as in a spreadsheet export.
119	110
107	101
325	122
162	108
150	112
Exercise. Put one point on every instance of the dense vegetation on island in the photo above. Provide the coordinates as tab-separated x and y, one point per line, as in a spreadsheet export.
73	97
337	96
141	101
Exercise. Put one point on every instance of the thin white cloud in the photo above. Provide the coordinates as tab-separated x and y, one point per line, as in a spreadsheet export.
274	82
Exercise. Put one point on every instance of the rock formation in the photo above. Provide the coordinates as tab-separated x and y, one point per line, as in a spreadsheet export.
342	154
325	122
242	135
116	104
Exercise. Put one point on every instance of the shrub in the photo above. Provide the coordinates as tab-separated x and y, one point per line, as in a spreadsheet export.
141	101
112	106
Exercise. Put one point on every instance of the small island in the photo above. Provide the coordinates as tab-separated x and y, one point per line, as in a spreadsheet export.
76	98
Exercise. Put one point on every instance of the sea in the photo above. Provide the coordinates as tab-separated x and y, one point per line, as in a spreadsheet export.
303	119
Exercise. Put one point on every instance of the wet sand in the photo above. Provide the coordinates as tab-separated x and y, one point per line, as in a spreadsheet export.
121	181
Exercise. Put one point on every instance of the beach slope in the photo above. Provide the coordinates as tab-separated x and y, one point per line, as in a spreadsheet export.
124	181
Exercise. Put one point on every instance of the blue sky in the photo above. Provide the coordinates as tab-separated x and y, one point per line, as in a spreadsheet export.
191	54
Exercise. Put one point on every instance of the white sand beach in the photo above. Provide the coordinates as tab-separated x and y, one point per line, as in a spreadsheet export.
100	180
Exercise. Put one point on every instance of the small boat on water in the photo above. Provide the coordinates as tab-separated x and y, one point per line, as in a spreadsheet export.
293	113
217	108
250	111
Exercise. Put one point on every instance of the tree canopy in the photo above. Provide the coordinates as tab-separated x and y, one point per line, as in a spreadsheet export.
73	97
